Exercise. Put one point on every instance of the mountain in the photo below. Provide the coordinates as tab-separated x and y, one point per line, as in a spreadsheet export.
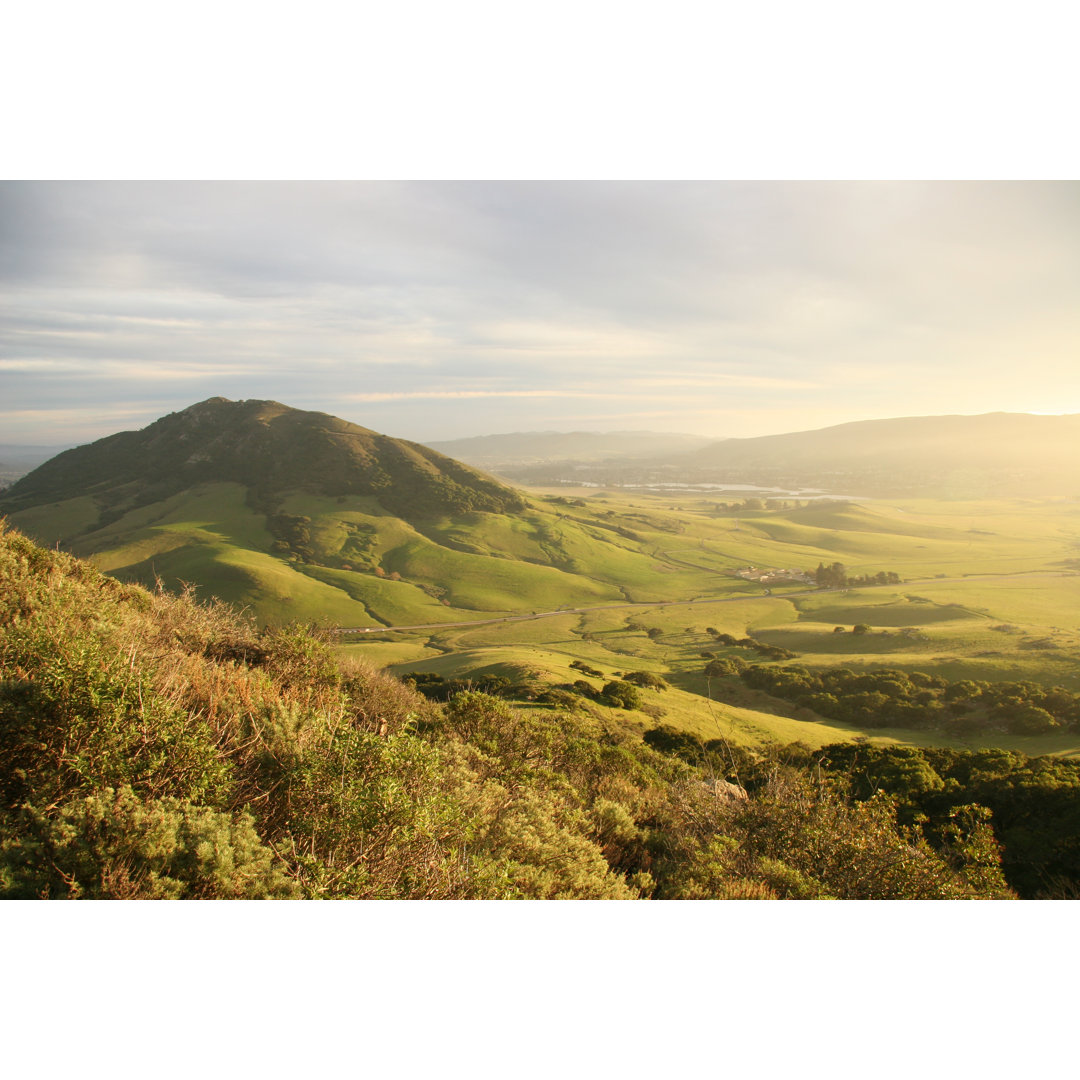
995	454
300	515
293	514
266	447
536	447
992	454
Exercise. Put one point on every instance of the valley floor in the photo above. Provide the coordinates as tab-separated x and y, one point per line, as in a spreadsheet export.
629	581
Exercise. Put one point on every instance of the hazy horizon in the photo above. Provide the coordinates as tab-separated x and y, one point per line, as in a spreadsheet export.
443	310
37	445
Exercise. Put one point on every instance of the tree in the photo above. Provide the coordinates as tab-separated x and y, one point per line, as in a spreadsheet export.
724	665
831	577
646	679
621	694
1024	719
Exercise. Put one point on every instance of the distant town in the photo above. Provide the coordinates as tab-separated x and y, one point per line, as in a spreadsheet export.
772	577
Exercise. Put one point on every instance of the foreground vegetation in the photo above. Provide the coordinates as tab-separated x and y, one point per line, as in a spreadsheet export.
154	747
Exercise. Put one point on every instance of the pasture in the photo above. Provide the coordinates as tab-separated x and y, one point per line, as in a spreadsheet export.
988	590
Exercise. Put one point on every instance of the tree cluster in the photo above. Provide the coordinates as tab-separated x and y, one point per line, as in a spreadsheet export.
762	648
837	577
884	697
584	668
966	802
292	535
754	504
1032	804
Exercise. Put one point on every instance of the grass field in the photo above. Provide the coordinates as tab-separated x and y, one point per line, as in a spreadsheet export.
989	590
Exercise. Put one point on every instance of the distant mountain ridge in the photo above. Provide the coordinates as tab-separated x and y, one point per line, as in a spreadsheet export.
1009	454
532	447
990	454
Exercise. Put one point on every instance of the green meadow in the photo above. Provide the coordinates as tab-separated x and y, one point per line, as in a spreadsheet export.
989	589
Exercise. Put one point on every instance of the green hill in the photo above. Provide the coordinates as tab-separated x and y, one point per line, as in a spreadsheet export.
269	449
279	509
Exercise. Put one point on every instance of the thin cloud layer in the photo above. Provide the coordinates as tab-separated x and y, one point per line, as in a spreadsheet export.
436	310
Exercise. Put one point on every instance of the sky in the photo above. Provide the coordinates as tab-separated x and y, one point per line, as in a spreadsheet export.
437	309
434	309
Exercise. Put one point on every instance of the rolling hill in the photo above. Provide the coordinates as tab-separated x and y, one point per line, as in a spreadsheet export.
300	515
992	454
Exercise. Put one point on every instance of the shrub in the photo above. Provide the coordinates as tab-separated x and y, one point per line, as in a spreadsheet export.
646	679
723	666
584	668
622	694
113	845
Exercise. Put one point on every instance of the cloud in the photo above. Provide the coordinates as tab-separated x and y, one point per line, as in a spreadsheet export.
735	306
434	395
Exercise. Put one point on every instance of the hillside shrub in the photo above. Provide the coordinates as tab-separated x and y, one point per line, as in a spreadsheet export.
621	694
112	845
646	680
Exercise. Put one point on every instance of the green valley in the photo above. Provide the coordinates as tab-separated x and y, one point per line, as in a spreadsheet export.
988	589
739	634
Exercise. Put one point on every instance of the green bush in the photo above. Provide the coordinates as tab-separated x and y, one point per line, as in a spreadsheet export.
113	845
646	679
621	694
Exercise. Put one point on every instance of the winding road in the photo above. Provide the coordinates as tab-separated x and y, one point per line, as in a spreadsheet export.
560	611
682	603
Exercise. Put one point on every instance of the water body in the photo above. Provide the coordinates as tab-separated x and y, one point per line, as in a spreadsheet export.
717	489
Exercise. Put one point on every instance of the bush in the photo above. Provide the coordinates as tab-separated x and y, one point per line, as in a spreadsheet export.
724	666
114	846
800	840
584	668
646	679
621	694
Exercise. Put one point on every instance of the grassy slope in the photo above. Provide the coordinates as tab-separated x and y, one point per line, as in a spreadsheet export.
957	613
974	627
